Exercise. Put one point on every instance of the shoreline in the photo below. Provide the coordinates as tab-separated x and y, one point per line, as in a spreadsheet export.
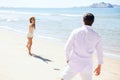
108	54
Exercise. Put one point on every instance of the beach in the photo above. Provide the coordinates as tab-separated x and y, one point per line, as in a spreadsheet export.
47	62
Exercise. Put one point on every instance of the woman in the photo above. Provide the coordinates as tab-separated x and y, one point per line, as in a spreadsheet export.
30	34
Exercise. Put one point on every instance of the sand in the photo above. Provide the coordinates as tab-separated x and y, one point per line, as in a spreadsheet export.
47	62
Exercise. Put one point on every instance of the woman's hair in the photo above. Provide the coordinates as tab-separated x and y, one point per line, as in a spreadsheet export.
88	19
32	18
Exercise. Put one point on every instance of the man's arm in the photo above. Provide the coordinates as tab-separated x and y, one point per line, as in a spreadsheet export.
99	56
99	50
69	46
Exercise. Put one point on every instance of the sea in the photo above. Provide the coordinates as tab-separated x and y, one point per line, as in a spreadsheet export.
57	23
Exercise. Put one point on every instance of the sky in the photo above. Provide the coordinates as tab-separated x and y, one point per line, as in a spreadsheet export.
52	3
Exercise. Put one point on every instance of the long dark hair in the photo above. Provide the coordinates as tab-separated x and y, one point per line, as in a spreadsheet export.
32	18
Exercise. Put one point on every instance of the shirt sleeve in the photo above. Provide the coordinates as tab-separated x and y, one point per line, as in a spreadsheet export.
69	45
99	50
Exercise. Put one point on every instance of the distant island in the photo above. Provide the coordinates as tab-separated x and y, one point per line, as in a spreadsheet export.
101	5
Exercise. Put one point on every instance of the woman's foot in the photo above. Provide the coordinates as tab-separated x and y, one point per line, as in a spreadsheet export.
30	53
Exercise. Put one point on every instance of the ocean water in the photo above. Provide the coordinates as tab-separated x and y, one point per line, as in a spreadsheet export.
58	23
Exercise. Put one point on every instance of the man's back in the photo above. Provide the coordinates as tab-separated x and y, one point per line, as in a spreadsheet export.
85	40
81	45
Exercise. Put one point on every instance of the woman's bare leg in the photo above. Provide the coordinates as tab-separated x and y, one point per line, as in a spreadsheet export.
29	44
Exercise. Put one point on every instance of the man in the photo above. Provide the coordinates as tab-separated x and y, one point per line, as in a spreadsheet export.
79	48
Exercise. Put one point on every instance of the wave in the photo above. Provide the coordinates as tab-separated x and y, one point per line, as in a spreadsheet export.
61	14
12	20
9	19
71	15
11	29
25	32
41	13
106	54
49	38
8	16
112	55
16	16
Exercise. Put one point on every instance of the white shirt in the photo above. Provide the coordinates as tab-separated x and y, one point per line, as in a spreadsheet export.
80	46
